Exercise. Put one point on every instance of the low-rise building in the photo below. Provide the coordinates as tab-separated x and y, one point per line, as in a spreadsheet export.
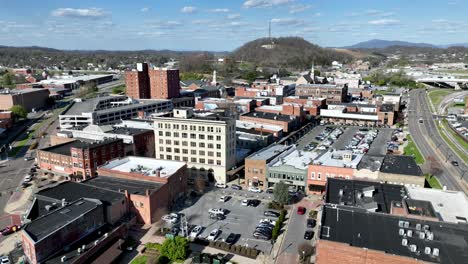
401	170
109	109
287	123
30	98
78	159
277	131
333	93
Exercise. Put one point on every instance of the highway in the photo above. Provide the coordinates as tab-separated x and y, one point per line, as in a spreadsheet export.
432	146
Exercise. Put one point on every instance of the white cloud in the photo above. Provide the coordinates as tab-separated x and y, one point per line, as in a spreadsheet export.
188	9
163	24
80	13
287	21
219	10
233	16
145	9
384	22
294	9
265	3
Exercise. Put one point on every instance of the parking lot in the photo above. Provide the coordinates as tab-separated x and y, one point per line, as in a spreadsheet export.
240	219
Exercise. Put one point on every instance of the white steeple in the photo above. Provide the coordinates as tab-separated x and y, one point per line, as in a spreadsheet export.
214	82
312	73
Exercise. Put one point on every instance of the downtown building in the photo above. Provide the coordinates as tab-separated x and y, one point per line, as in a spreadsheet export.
152	83
206	142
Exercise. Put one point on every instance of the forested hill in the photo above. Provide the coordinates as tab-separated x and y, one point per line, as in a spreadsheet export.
288	52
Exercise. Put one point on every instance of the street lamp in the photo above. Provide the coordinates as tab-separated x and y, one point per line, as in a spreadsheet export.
303	255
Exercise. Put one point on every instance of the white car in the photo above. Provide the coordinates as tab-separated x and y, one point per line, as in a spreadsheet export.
268	221
221	185
223	198
28	178
213	234
195	231
216	211
255	190
245	202
4	260
171	218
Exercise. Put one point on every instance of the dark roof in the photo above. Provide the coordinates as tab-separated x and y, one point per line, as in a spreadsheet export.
400	165
252	131
64	149
420	208
351	193
190	82
72	191
370	162
128	131
57	219
387	108
271	116
381	232
119	185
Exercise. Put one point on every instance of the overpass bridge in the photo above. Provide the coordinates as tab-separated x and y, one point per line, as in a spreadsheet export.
456	83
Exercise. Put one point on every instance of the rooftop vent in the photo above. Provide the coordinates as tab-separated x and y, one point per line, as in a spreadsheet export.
409	233
435	252
404	242
427	250
401	232
63	259
422	235
406	224
418	226
413	248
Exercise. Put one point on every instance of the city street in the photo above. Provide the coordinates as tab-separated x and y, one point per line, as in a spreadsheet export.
431	144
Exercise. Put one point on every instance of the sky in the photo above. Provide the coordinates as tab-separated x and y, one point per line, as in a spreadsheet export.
223	25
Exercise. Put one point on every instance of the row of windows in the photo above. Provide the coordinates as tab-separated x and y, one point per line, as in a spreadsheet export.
192	151
286	176
186	135
186	144
187	127
327	175
193	160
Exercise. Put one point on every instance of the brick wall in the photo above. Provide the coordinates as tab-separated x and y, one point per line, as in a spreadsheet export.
255	169
318	174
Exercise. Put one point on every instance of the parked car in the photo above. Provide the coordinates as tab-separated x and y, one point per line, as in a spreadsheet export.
262	236
216	211
271	213
27	178
268	221
245	202
171	218
4	260
217	216
454	163
311	223
9	230
213	234
232	238
269	190
196	231
220	185
255	190
28	158
33	169
224	198
253	202
308	234
301	210
236	187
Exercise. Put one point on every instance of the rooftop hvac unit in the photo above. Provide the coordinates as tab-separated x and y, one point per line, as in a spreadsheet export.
401	232
427	250
426	227
96	242
79	251
340	193
409	233
63	258
413	248
406	224
422	235
106	234
430	236
401	223
435	252
418	226
404	242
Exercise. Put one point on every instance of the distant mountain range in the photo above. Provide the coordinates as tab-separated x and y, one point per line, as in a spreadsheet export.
382	44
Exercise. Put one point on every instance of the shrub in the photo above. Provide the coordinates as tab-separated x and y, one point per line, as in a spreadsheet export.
211	244
275	205
243	251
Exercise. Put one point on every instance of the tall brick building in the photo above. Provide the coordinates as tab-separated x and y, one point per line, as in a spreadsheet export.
156	83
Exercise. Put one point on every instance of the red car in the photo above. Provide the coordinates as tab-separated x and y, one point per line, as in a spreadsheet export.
9	230
301	210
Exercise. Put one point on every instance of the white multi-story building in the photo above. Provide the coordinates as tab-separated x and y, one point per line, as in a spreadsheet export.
207	143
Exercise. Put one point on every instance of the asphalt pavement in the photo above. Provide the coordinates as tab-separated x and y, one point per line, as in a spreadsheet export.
432	146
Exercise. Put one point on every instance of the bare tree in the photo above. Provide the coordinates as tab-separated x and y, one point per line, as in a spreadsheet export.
200	184
434	166
305	250
157	216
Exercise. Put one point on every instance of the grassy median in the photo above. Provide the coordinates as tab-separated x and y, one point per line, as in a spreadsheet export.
436	96
433	182
412	150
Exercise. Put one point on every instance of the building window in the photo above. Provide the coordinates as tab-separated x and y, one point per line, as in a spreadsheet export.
193	144
210	154
161	133
185	159
184	143
185	151
201	136
193	159
168	157
210	137
202	160
218	162
202	145
168	142
210	161
218	138
319	176
161	148
168	134
161	156
184	135
312	175
176	134
168	149
193	152
176	143
202	152
218	154
210	146
176	150
177	158
193	136
161	141
201	128
218	146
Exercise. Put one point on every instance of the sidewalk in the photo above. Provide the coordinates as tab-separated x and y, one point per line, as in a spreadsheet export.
19	201
235	258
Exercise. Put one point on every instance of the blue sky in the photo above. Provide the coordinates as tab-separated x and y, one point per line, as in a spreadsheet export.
219	25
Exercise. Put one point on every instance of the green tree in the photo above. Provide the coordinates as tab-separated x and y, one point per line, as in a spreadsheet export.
175	249
8	80
119	89
280	192
19	111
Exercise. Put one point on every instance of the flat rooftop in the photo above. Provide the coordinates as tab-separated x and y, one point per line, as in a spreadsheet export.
335	159
146	166
363	194
120	185
400	165
387	233
72	191
65	149
449	205
298	159
271	116
269	152
253	125
369	162
47	224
